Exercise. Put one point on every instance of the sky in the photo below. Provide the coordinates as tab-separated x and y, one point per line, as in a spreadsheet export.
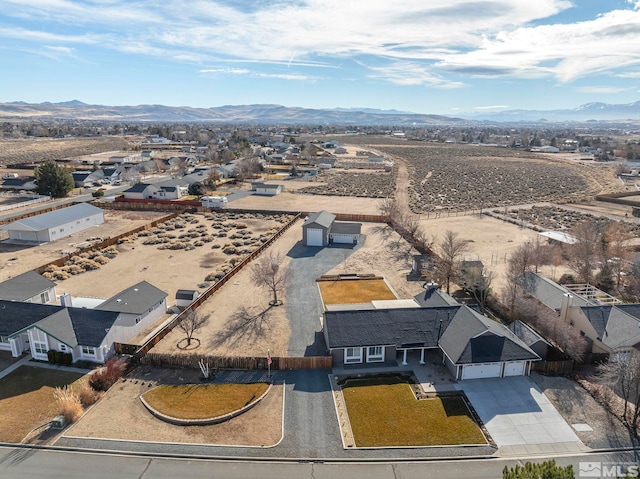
423	56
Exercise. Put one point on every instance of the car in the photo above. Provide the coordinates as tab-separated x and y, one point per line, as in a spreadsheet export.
96	183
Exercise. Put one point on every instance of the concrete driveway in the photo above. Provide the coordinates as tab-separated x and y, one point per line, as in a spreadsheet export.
516	412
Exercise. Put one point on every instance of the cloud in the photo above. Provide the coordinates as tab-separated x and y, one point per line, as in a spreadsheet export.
244	71
420	43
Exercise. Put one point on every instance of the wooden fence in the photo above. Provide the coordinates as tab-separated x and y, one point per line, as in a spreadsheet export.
155	339
144	206
227	362
553	368
107	242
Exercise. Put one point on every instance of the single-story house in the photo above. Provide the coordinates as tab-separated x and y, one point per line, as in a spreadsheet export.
472	345
23	183
83	179
608	327
141	191
170	192
87	334
184	297
321	229
56	224
28	287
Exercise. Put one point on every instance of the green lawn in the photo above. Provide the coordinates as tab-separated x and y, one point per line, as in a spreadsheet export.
386	413
354	291
203	401
26	399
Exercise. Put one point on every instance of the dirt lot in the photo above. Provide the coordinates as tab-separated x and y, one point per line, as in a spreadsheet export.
173	269
18	259
309	203
35	150
260	426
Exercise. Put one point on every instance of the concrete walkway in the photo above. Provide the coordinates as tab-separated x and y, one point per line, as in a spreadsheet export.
14	366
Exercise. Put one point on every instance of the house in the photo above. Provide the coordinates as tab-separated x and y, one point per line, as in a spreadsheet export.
184	297
23	183
472	346
531	338
28	287
610	327
83	179
141	191
56	224
321	228
118	159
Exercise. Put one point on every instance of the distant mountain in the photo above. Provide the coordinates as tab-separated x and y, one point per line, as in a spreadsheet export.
587	112
276	114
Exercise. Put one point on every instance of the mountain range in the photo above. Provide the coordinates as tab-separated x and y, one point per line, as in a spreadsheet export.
278	114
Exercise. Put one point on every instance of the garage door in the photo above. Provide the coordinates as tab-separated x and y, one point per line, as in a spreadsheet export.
314	237
338	238
515	368
484	370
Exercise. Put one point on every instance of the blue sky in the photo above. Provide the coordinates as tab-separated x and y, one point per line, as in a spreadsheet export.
424	56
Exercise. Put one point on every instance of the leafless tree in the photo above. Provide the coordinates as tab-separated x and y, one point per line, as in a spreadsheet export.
191	323
622	374
247	168
617	237
585	252
477	282
269	272
449	251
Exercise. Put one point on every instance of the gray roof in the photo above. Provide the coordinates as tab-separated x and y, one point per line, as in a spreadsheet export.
433	296
189	294
322	218
527	335
15	316
24	286
138	188
547	292
134	300
269	186
615	327
54	218
17	181
346	228
474	338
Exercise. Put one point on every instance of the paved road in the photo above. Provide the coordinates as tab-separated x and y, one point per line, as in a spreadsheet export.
304	306
26	463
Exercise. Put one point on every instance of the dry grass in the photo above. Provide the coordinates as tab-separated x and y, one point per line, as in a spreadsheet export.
203	401
26	399
354	291
68	403
386	413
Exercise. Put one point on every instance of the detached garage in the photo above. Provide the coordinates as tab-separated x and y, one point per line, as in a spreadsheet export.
321	229
55	224
345	233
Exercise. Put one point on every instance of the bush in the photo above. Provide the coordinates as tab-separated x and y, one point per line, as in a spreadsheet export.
105	377
51	356
98	194
69	404
88	395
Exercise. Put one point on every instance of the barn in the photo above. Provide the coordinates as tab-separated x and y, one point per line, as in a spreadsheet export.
56	224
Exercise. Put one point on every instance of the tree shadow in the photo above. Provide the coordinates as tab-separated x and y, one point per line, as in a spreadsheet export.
246	323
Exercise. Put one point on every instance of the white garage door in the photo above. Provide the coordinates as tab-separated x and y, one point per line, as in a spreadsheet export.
338	238
484	370
314	237
515	368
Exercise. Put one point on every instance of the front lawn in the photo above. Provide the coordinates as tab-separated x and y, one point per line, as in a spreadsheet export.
203	401
354	291
386	413
26	399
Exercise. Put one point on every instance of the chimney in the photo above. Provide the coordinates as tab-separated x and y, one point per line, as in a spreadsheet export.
65	300
567	303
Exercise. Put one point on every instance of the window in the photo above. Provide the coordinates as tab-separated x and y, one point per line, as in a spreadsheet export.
4	339
137	319
63	348
61	230
352	355
375	354
44	297
39	348
88	351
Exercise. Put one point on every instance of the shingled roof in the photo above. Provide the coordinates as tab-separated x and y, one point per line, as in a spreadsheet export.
24	286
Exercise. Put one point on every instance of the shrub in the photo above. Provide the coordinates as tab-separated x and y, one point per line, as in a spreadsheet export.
215	246
59	357
69	404
105	377
230	250
67	359
98	194
51	356
88	395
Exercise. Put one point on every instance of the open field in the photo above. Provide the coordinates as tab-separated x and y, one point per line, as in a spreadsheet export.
121	415
354	291
363	183
26	399
18	259
36	150
179	254
464	177
309	203
386	413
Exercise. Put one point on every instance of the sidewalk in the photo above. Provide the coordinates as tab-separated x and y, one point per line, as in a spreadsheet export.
14	366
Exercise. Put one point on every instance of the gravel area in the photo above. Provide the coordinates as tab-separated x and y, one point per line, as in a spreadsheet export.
577	406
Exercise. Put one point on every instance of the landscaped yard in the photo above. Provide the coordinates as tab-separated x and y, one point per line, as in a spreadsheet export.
203	401
384	412
354	291
26	399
